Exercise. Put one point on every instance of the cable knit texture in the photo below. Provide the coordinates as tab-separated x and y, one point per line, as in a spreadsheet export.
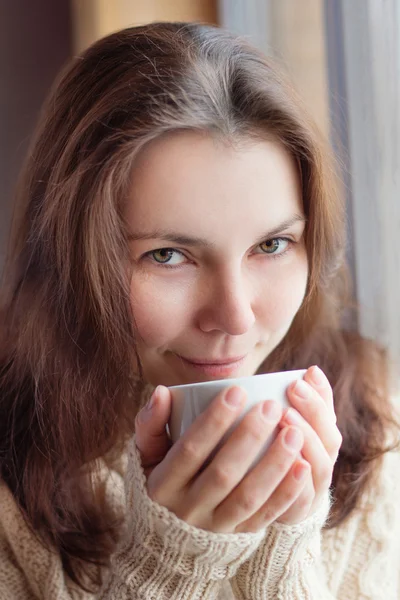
162	557
279	568
177	561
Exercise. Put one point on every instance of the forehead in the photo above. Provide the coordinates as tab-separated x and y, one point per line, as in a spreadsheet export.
190	179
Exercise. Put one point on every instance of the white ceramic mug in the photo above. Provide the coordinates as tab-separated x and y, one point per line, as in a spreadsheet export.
189	400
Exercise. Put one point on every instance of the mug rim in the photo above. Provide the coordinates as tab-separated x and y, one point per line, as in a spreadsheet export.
237	380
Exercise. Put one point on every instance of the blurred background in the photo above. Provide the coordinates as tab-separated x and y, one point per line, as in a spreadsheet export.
343	57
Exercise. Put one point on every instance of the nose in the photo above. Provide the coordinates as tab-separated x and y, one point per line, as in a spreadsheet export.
228	306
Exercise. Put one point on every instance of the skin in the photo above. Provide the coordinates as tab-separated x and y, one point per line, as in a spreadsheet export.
230	295
228	300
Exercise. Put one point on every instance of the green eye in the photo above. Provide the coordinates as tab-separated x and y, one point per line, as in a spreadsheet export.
276	246
271	246
163	255
166	256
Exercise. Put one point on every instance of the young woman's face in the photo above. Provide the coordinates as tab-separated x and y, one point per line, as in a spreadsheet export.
218	255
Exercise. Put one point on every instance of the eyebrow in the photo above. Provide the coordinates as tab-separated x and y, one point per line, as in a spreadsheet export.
177	238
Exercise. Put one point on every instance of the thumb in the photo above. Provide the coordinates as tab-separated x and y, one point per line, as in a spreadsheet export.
152	440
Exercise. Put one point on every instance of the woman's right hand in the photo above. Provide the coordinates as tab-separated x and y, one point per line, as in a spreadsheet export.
222	497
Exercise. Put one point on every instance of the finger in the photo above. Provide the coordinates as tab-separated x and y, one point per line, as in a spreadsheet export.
314	410
313	451
236	456
301	507
301	391
319	381
152	439
188	454
247	497
280	500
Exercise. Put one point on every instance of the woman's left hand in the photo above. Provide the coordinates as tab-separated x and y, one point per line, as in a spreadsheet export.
312	410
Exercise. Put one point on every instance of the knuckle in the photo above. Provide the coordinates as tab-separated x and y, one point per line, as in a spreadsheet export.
248	503
217	420
187	451
253	429
282	466
222	476
268	514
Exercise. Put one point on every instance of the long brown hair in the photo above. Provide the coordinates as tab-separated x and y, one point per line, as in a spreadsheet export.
67	349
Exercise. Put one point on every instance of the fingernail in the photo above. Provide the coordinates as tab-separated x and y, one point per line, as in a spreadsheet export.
234	396
151	401
300	471
293	438
301	389
146	413
317	376
293	417
270	410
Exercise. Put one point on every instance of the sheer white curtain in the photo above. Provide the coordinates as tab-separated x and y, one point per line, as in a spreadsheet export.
368	114
361	60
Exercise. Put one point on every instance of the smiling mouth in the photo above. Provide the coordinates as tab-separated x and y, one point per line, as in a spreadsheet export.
220	368
215	362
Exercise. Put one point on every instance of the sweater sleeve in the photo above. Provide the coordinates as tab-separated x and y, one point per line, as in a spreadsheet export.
285	562
159	557
360	558
162	557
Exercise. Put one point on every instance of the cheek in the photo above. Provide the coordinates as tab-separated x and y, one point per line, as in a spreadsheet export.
161	312
282	299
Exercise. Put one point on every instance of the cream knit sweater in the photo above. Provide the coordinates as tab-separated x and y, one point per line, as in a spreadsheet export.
163	558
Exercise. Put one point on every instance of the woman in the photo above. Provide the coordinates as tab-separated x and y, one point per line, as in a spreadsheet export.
178	220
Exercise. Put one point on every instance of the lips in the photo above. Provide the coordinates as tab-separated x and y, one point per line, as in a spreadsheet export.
219	368
216	361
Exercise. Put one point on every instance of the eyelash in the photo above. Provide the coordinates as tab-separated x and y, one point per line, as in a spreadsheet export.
274	256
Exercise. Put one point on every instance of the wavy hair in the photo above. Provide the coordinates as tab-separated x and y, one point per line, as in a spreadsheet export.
70	375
